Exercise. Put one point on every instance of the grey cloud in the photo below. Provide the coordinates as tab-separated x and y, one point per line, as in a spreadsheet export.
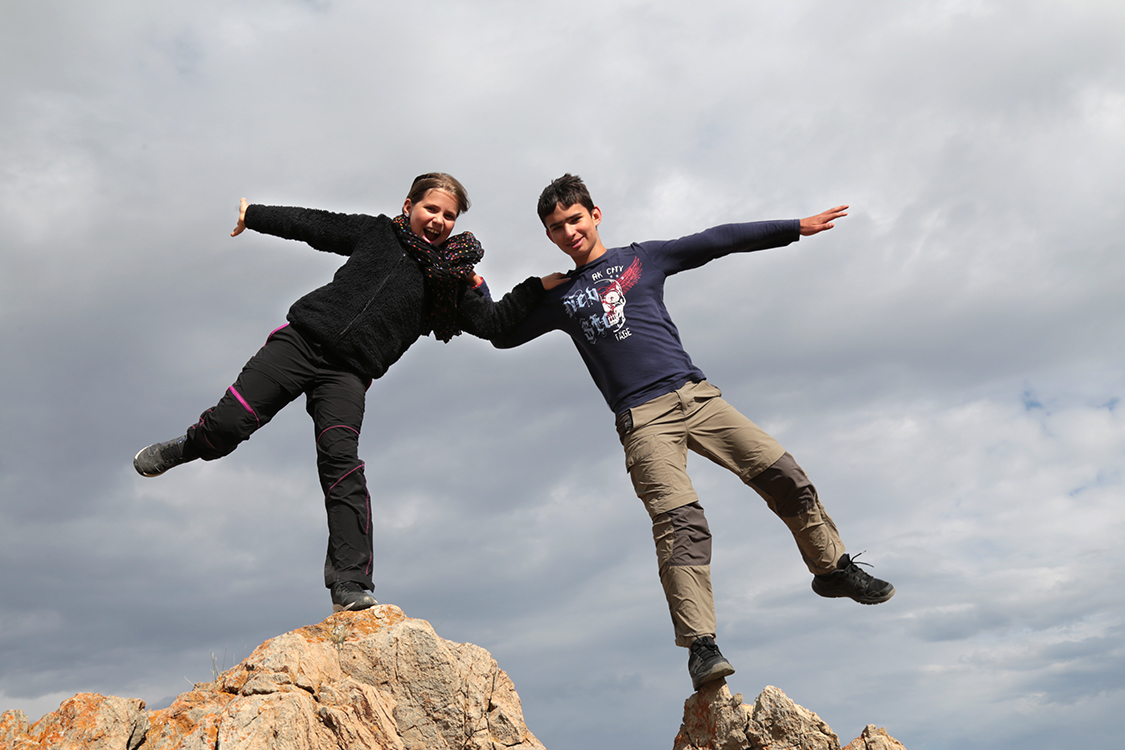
892	356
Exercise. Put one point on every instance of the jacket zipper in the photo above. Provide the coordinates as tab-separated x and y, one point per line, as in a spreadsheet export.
374	294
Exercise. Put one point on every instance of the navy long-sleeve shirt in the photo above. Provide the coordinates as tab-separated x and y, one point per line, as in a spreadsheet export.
613	309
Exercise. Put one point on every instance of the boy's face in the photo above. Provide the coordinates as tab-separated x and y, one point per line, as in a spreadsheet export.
575	230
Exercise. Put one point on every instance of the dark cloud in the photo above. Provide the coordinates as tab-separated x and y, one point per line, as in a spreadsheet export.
943	363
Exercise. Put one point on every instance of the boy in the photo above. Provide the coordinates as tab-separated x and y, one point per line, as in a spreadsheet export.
612	306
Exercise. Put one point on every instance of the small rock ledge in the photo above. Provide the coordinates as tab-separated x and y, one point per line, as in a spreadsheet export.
716	720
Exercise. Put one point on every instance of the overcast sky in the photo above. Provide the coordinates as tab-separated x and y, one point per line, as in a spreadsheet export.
946	363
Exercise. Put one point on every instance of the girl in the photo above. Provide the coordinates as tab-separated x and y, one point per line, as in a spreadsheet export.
403	278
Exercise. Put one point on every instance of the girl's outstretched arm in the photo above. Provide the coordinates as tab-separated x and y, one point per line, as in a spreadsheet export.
322	230
480	316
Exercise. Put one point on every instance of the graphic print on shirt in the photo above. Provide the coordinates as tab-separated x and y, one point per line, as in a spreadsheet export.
600	308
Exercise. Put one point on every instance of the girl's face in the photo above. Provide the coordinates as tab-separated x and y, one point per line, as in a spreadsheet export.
432	218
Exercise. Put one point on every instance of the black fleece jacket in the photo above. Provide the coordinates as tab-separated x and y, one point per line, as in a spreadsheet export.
375	306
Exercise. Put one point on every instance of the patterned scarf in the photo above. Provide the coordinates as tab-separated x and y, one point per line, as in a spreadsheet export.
445	267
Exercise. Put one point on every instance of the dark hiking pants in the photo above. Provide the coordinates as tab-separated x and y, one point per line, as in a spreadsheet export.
282	370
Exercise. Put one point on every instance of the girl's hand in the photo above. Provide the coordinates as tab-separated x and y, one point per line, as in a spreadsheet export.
241	219
553	280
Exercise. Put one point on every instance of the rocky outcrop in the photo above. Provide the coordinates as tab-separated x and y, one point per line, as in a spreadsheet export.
371	679
377	679
716	720
13	724
85	722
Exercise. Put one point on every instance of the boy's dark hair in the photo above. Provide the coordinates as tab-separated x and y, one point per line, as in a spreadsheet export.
565	191
424	183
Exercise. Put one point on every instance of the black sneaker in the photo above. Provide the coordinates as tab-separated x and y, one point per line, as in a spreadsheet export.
351	596
851	582
159	457
706	663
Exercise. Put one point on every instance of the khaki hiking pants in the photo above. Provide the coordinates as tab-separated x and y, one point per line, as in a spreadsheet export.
656	436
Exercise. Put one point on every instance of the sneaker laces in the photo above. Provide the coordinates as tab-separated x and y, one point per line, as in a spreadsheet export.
170	449
854	560
858	575
703	644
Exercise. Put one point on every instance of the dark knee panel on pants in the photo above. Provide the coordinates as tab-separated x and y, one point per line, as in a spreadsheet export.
789	493
786	488
683	552
690	537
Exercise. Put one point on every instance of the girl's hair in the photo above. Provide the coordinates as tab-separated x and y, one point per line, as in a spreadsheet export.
424	183
565	191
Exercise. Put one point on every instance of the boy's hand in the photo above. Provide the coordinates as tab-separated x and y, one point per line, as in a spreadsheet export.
241	219
822	221
553	280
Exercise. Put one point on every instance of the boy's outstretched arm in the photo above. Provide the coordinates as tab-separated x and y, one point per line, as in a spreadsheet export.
822	221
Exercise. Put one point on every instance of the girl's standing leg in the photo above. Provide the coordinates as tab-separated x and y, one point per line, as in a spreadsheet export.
336	403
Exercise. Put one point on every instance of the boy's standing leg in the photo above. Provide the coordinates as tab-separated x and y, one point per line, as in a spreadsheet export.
655	436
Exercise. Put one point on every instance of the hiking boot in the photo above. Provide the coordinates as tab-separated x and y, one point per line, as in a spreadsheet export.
851	582
350	596
159	457
706	663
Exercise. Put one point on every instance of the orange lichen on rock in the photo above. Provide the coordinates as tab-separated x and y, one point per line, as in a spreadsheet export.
353	624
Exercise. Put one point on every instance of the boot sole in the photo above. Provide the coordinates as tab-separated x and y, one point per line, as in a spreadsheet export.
867	600
719	671
350	608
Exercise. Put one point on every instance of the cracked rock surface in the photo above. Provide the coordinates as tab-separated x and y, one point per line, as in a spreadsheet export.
370	679
716	720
